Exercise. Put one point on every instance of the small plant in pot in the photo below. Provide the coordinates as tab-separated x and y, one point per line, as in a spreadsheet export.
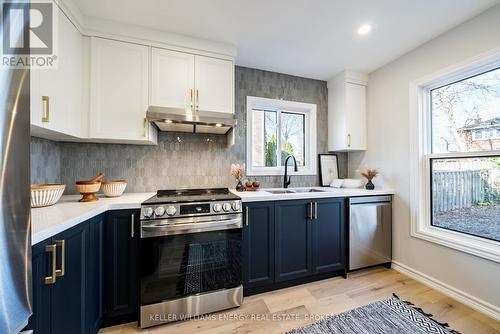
369	175
238	171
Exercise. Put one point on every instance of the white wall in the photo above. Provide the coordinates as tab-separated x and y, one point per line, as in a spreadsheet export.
388	149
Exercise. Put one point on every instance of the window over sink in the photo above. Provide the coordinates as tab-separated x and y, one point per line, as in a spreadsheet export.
276	129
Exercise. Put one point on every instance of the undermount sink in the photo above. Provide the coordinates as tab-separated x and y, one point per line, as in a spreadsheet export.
281	191
308	191
293	191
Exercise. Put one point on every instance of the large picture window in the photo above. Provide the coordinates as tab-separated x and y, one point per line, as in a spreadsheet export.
456	158
277	129
466	190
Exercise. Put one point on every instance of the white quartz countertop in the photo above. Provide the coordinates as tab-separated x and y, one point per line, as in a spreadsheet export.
326	192
68	212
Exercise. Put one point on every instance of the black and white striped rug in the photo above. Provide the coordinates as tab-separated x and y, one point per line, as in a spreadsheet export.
388	316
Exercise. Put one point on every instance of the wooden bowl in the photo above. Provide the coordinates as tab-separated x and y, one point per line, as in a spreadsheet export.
88	191
46	194
114	188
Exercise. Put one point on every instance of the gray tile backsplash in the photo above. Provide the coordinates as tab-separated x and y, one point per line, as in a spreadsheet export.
45	161
183	160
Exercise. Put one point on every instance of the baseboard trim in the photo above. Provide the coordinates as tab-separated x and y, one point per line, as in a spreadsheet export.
477	304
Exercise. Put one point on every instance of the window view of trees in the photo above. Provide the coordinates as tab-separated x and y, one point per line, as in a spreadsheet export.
277	134
466	114
466	190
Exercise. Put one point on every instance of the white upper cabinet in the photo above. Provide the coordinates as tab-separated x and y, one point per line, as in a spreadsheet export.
197	83
119	92
57	95
102	87
214	84
347	112
172	79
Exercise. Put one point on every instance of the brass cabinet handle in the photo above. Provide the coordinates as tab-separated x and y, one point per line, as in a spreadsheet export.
52	278
247	215
197	101
191	99
46	109
62	244
145	127
315	210
348	140
132	225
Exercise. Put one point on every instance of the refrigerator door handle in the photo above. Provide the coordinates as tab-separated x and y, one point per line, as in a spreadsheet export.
52	278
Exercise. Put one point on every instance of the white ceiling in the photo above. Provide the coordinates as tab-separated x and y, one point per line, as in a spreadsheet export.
309	38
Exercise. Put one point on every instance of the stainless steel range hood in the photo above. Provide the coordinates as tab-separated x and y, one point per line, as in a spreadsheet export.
185	120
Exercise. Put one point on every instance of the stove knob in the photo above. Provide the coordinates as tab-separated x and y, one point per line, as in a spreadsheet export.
160	211
147	212
171	210
217	207
226	207
236	206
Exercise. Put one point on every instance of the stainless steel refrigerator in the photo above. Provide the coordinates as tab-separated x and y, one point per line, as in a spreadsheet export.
15	229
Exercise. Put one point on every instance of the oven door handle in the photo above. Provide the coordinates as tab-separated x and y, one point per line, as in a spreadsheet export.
185	228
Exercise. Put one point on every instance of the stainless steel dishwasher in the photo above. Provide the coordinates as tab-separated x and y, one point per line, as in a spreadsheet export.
370	231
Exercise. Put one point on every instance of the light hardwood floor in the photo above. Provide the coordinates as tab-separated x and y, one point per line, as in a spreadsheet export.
279	311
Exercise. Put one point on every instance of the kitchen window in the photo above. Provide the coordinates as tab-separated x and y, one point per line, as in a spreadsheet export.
455	175
276	129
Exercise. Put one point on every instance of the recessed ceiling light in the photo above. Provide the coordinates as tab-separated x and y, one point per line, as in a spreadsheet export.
218	125
364	29
168	121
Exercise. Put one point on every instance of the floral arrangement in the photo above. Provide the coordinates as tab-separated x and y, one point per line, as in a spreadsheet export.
370	173
238	171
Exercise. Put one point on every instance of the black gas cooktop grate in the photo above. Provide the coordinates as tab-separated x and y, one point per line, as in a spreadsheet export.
192	192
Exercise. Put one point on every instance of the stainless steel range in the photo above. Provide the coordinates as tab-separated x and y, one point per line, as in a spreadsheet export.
190	254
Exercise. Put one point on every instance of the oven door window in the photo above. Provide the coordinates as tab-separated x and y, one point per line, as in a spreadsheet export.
186	264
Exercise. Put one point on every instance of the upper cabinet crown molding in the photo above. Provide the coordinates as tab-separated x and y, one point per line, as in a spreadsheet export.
93	26
347	111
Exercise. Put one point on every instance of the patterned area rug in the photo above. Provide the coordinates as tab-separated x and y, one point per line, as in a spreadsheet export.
388	316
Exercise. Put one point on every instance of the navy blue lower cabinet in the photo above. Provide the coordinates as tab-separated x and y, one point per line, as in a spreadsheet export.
258	244
328	233
41	262
121	266
66	298
68	292
94	277
293	257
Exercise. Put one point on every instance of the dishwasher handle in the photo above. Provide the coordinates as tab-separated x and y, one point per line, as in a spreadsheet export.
370	199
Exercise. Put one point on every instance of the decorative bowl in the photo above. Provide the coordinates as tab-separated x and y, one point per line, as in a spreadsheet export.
353	183
46	194
114	188
88	190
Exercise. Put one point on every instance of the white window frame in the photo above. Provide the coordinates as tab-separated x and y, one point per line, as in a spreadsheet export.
421	154
309	112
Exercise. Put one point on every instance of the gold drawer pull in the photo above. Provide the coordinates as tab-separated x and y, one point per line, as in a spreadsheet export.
46	109
197	101
62	244
191	99
52	278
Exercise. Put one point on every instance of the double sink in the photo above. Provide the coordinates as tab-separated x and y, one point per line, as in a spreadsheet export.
294	191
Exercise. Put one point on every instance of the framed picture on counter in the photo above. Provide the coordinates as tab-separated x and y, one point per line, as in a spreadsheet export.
328	169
